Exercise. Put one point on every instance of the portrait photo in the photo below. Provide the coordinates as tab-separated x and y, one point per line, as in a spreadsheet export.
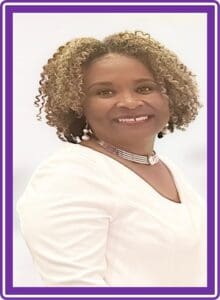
110	149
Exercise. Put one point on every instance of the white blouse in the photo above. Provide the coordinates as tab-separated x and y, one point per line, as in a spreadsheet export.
89	220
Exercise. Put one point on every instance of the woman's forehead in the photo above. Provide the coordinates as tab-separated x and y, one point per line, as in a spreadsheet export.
117	64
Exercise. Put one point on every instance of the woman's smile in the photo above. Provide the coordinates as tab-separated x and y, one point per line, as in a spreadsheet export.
134	121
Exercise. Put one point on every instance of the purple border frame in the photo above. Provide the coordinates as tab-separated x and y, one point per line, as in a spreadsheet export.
56	291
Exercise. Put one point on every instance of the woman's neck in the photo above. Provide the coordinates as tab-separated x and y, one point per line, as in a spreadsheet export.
144	147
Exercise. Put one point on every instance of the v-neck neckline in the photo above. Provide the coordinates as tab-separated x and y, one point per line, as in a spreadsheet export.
146	184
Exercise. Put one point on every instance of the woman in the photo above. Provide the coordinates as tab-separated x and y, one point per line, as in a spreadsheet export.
105	209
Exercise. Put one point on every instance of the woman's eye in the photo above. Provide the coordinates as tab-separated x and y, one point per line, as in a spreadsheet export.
105	93
144	89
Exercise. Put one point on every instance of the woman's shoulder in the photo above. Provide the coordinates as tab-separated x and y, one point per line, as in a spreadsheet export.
68	163
70	173
183	182
69	157
69	152
65	186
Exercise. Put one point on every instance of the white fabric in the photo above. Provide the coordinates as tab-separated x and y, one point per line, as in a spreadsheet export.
89	220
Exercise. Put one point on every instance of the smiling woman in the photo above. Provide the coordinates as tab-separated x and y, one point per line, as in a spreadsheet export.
106	209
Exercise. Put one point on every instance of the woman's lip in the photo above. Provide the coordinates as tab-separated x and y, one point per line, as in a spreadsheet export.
133	116
132	123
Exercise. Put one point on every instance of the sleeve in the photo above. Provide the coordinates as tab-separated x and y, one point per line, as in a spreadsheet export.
65	215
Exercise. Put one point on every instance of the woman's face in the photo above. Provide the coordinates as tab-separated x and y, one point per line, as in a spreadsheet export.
123	102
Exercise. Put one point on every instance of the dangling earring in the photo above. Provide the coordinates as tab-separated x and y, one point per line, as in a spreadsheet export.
84	137
76	139
163	132
86	130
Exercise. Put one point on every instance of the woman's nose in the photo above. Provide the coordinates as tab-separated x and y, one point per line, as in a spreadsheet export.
129	102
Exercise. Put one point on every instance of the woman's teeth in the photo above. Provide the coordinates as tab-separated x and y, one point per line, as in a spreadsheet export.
133	120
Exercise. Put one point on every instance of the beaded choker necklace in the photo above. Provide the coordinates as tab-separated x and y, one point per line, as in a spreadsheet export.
141	159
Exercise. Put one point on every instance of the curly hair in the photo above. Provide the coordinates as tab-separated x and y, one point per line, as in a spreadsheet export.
61	91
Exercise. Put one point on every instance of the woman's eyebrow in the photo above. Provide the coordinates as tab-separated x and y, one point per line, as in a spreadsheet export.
109	83
144	80
99	83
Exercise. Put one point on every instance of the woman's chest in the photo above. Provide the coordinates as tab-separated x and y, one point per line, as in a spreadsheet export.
141	231
159	178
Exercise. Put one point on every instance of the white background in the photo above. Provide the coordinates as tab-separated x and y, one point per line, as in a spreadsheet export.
37	37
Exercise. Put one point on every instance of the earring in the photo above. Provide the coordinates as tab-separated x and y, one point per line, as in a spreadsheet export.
76	139
86	130
160	135
163	132
84	137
